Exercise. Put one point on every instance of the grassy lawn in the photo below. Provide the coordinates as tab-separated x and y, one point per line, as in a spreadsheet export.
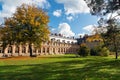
62	67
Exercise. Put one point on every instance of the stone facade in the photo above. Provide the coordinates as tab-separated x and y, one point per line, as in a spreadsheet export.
56	45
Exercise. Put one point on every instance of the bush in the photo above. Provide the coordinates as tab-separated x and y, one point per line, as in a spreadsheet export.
104	52
99	51
84	51
93	52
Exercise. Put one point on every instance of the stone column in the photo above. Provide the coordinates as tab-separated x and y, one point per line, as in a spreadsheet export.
45	51
37	51
13	49
27	49
41	53
51	50
20	49
6	50
65	49
60	50
56	50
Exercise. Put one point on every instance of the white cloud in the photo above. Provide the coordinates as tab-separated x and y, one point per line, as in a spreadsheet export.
41	3
70	18
115	15
90	29
9	6
57	13
64	29
74	6
54	30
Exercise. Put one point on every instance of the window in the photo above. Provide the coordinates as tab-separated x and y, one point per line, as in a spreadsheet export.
10	49
17	49
34	50
1	50
47	50
53	50
58	49
39	50
23	49
43	50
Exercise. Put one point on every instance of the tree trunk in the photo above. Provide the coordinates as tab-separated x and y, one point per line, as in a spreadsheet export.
116	52
116	55
115	46
30	49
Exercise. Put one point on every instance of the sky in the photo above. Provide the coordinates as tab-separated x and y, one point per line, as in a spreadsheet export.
67	17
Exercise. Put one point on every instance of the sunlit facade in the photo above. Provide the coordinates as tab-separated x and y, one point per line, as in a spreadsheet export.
57	45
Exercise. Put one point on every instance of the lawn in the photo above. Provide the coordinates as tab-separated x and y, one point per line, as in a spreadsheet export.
60	67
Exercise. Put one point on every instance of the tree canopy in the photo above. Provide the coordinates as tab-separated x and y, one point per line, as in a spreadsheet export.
29	24
112	24
102	7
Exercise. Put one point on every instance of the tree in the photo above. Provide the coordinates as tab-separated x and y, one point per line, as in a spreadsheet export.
102	8
5	37
29	24
83	50
112	37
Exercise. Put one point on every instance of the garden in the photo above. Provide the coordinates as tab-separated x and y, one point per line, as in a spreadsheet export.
60	67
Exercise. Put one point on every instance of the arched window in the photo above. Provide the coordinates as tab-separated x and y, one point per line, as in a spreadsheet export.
43	50
47	50
34	50
17	49
39	50
23	49
59	50
10	49
1	49
64	50
53	50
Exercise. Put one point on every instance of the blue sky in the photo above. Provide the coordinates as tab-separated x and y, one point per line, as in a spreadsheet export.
68	17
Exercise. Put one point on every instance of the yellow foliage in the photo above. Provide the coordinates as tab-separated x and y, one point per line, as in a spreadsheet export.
95	37
83	44
32	21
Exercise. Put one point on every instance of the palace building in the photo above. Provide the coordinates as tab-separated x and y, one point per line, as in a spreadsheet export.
57	45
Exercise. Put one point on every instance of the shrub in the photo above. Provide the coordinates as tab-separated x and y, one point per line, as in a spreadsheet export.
84	51
93	52
104	51
99	51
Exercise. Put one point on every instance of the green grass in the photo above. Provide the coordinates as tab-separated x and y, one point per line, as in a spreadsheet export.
62	67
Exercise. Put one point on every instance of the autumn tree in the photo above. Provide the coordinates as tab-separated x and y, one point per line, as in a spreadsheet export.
5	34
29	24
103	8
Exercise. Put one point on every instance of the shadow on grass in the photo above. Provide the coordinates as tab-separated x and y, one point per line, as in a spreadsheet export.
58	56
77	69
